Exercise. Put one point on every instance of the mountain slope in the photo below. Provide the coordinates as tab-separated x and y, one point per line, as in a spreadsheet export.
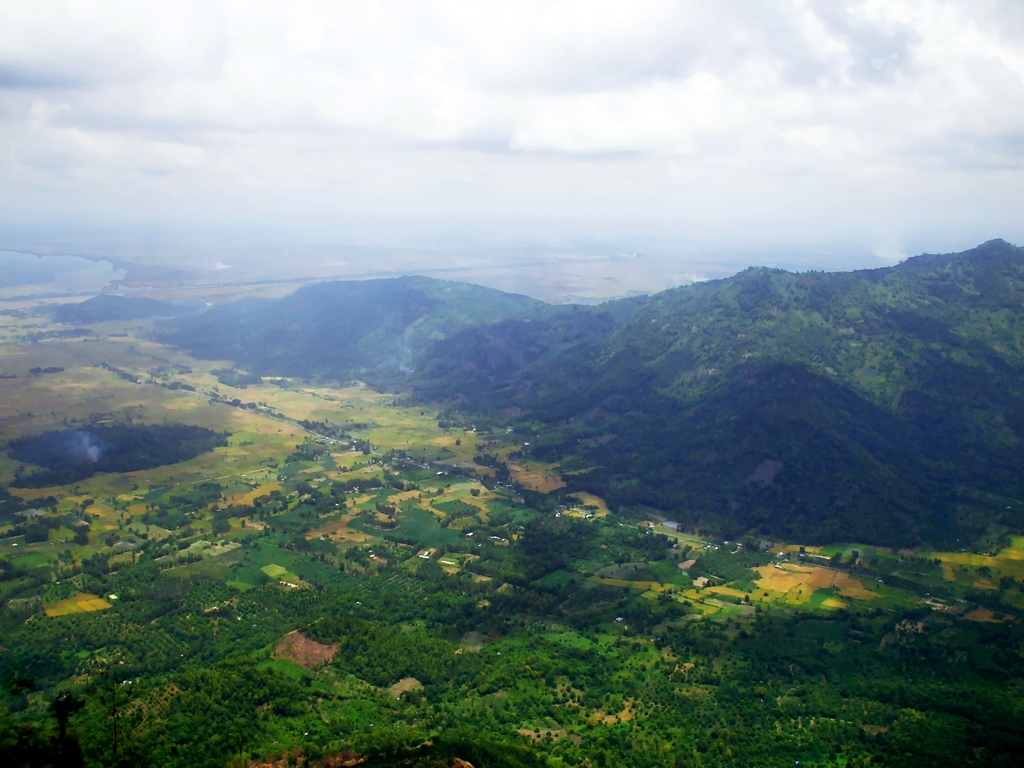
372	328
107	307
891	399
882	405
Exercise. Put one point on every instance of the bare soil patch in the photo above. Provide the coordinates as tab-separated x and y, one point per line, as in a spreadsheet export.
981	614
536	476
303	651
821	578
338	530
404	685
765	472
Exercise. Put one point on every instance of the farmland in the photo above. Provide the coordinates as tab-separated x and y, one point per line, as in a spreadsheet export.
355	569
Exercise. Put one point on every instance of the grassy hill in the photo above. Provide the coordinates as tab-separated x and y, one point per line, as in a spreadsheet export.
881	405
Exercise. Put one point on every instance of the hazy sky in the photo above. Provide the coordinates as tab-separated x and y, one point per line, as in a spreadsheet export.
889	126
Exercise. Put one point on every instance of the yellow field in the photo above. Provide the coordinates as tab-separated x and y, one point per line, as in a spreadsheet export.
790	549
590	500
644	586
536	476
794	584
962	566
726	591
461	492
80	603
246	499
981	614
339	532
398	498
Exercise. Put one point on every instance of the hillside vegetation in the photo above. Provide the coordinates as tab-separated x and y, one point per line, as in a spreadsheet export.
106	307
881	405
341	330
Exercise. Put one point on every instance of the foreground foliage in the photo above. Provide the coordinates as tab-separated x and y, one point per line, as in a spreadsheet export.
183	671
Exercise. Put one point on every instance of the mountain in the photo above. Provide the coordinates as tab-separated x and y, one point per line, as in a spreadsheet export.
107	307
884	406
371	329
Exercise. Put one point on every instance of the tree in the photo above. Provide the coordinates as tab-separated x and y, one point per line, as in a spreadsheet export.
67	751
113	696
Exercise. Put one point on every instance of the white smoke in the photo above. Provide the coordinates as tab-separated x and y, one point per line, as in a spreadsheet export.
83	446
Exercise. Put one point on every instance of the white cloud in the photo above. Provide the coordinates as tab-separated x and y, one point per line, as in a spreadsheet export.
790	122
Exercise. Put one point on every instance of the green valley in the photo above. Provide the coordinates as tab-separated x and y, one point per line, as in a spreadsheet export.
764	521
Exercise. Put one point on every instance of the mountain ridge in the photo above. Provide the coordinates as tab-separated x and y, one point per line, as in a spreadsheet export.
912	379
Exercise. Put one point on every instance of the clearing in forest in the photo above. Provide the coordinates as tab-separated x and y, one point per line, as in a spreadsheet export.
982	614
590	500
405	685
305	652
536	476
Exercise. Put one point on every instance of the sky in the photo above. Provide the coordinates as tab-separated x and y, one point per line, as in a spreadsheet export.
821	126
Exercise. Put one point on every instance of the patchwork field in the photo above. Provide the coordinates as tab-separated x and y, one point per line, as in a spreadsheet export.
80	603
113	378
536	476
795	584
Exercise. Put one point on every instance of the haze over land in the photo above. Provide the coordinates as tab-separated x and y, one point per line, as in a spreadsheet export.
284	139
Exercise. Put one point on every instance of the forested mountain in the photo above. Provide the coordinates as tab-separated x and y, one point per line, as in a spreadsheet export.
881	405
107	307
345	329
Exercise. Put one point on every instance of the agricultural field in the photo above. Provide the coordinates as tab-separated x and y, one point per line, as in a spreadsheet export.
354	569
80	603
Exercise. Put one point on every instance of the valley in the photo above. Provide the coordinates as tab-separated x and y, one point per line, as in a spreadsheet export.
364	568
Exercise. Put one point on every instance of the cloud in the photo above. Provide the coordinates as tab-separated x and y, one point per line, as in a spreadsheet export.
803	121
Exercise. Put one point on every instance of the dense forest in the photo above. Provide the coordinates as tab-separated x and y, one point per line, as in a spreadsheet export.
69	455
106	307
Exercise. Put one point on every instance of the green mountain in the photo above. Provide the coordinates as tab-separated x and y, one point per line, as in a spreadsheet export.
883	405
371	329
